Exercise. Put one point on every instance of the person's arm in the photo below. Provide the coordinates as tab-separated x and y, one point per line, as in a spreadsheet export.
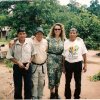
10	56
14	60
84	52
28	64
12	42
20	64
63	63
85	62
47	44
63	54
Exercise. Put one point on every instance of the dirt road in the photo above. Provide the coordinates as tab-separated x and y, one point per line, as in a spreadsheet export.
90	90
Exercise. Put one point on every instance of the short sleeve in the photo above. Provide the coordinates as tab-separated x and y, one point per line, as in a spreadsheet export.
63	54
84	49
10	53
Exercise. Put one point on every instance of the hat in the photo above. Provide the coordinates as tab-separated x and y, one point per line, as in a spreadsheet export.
20	30
39	29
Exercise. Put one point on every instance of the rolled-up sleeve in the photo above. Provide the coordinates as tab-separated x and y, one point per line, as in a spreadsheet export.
10	54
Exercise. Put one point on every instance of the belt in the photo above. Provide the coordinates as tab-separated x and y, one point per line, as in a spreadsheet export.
41	65
38	64
55	53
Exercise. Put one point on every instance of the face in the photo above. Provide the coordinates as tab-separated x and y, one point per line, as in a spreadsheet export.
22	36
57	30
39	36
72	35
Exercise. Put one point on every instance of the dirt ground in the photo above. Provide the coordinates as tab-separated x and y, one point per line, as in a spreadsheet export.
6	82
90	90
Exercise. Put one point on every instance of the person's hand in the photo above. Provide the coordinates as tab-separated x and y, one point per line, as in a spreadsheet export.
63	70
11	43
85	68
20	64
27	66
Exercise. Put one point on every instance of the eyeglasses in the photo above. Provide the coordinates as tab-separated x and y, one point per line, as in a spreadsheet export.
57	29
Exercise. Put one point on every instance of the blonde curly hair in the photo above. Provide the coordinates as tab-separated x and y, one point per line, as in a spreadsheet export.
52	33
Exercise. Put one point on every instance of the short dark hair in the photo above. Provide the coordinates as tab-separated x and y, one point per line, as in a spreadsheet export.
20	30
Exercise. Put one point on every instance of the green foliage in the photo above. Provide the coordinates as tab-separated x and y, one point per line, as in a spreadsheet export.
45	13
95	7
95	77
12	34
8	63
89	43
3	41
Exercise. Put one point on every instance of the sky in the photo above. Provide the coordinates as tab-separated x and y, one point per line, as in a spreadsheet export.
83	2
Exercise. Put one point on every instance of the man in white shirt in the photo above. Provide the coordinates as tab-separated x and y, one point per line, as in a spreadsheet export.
39	64
20	53
74	52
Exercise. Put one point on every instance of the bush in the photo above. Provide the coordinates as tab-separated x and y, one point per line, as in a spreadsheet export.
90	44
8	63
12	34
95	77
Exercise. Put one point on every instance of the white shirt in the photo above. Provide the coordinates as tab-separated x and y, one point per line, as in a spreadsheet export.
41	53
73	50
21	52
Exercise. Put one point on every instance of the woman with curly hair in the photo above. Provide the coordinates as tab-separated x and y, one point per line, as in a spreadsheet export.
55	40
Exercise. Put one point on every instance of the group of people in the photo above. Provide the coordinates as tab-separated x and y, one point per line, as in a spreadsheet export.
55	53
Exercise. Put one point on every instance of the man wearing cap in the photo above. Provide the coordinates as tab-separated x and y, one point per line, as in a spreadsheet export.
74	52
20	54
39	64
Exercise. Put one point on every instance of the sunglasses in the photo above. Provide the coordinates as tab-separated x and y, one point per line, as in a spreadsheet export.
57	29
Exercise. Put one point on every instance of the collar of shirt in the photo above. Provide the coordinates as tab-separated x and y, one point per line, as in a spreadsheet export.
18	43
37	42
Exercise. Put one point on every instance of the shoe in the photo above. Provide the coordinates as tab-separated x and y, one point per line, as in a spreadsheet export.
57	96
34	98
52	96
76	97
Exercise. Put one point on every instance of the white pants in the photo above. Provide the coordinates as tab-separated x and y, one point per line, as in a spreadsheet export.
38	80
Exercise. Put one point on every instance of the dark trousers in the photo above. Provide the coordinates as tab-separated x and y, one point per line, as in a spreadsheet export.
18	73
71	68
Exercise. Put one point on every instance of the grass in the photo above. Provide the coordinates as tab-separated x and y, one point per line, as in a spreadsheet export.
3	41
8	63
95	77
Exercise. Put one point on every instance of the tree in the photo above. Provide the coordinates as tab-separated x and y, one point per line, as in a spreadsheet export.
45	13
30	14
95	7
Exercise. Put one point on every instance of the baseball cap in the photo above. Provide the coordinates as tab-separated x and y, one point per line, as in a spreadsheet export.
39	29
